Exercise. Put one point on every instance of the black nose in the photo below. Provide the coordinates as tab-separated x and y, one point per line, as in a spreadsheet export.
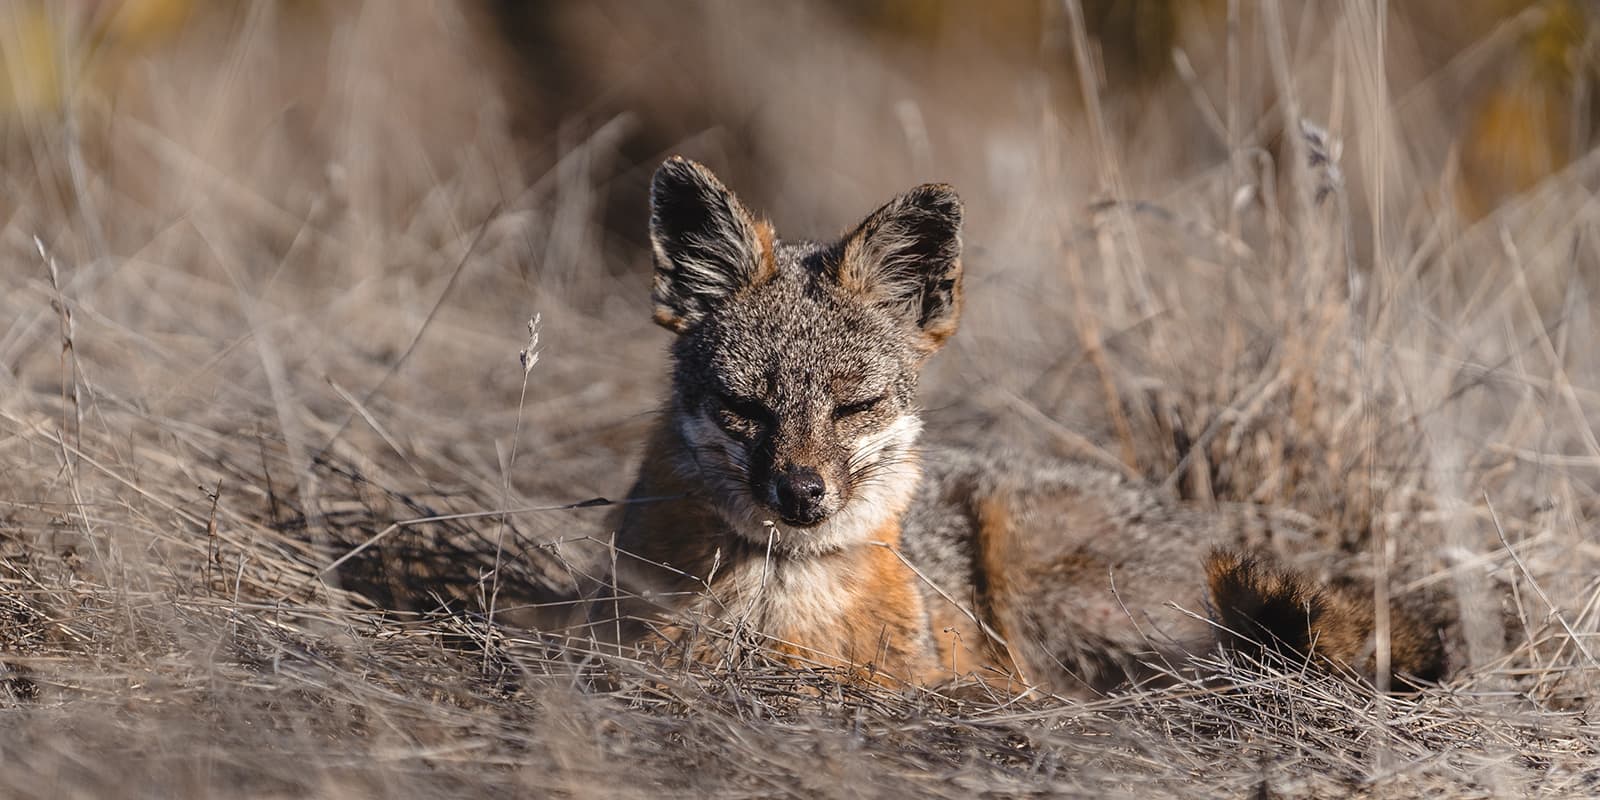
800	491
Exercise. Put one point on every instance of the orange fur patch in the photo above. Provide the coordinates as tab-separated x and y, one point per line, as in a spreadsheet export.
766	240
996	532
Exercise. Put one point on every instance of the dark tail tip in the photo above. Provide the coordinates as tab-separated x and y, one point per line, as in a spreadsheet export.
1266	608
1262	607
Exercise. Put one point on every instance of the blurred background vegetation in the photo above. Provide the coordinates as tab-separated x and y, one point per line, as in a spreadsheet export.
1521	101
1521	105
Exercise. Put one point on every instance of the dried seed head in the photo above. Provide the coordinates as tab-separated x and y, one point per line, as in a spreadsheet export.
530	355
1322	153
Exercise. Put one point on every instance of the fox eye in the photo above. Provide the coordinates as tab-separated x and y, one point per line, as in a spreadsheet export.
745	409
847	410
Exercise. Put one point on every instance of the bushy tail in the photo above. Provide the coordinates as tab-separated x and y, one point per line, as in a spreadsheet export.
1262	606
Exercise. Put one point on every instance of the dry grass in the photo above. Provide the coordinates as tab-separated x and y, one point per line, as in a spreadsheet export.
268	452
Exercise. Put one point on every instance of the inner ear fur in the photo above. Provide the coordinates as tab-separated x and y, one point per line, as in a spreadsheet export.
706	244
907	256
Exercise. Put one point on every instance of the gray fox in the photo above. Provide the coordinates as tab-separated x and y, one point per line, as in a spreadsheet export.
784	487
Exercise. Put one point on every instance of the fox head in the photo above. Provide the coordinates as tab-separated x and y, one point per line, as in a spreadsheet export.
796	363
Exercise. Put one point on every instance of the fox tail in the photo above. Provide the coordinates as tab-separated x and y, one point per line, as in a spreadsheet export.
1260	606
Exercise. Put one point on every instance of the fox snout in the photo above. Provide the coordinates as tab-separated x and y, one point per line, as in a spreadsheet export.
799	495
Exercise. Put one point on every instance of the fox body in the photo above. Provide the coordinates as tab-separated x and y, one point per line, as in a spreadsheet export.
785	488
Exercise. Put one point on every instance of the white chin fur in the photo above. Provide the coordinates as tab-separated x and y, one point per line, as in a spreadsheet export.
875	503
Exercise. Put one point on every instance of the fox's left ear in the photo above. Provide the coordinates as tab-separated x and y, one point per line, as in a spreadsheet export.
907	255
707	244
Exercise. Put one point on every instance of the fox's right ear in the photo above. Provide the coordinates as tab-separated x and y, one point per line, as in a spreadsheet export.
707	245
907	256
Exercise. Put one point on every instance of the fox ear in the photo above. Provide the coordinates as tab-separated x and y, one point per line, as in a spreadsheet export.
907	255
706	244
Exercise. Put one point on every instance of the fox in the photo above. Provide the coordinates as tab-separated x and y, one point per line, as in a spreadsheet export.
785	488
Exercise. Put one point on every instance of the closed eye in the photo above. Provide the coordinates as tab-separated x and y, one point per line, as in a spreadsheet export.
746	408
847	410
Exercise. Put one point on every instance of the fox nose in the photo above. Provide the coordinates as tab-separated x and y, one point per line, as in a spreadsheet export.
800	493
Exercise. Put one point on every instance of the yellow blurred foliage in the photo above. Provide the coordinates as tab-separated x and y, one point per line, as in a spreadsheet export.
30	53
1516	140
43	44
1521	130
1553	48
141	23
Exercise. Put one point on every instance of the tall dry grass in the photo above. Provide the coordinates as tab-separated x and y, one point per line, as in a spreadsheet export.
270	457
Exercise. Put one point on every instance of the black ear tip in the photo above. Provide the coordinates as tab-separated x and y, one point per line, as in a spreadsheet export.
676	165
939	199
680	171
938	192
672	172
681	184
